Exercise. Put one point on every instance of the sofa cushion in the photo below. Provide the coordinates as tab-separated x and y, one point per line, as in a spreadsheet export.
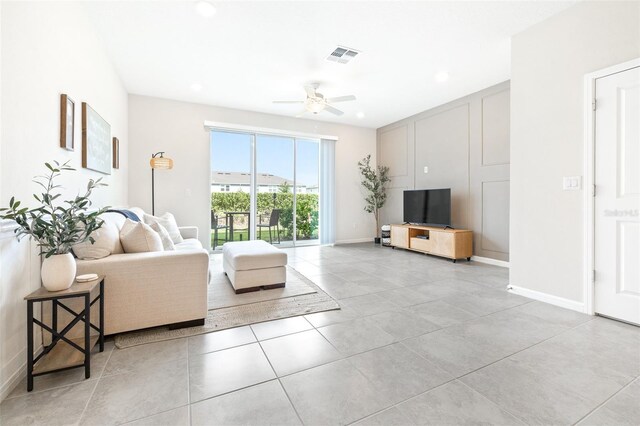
138	237
168	222
189	244
106	239
248	255
167	243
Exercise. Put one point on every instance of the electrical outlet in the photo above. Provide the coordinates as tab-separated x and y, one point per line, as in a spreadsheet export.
426	169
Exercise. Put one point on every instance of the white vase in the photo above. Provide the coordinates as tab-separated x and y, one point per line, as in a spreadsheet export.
58	272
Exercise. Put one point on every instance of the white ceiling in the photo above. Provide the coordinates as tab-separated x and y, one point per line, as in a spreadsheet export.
251	53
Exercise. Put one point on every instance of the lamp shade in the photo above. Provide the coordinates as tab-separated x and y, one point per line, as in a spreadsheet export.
162	163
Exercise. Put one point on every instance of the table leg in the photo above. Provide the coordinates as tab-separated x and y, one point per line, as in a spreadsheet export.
87	330
54	319
102	315
29	346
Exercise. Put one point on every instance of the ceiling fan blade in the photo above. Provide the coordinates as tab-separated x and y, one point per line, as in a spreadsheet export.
311	91
288	102
333	110
342	99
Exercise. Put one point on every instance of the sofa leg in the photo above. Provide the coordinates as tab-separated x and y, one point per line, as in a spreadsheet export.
186	324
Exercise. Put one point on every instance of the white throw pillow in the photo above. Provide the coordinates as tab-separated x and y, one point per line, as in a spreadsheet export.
138	237
167	243
169	223
106	242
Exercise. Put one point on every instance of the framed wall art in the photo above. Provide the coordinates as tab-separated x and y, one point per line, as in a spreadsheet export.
116	153
96	141
67	120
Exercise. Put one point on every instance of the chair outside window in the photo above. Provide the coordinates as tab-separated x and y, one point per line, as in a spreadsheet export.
274	221
217	225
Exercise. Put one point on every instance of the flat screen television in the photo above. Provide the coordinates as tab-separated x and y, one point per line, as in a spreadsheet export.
428	207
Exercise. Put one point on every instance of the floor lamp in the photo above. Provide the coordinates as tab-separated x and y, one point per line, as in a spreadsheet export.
160	162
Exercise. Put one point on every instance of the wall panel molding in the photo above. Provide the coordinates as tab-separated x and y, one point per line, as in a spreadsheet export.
394	147
463	151
495	216
494	136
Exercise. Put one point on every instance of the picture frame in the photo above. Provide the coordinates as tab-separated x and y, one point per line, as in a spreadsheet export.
96	141
116	153
67	122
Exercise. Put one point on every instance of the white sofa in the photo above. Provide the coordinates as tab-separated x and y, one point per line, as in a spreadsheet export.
151	289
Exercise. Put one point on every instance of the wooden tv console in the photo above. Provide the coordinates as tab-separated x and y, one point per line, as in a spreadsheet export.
450	243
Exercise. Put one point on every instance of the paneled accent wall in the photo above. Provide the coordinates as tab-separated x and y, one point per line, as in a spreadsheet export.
464	145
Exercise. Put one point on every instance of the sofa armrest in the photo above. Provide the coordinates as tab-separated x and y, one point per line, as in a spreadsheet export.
188	232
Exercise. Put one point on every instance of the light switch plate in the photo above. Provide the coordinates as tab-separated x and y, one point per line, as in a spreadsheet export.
572	183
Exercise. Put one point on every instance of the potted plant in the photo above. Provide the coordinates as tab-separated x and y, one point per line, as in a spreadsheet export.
374	181
56	226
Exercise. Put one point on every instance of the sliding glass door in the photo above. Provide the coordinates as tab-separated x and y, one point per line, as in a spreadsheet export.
275	184
307	191
231	165
264	187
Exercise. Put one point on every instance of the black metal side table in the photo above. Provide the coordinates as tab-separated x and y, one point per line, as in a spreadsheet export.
65	353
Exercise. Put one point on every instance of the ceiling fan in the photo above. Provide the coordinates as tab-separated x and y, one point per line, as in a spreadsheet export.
316	101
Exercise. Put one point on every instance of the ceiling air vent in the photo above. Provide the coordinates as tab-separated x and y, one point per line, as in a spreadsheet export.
342	55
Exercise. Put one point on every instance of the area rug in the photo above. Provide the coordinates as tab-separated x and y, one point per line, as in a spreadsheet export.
242	314
222	295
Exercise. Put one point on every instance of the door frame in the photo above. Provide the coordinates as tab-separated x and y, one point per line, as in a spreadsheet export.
588	271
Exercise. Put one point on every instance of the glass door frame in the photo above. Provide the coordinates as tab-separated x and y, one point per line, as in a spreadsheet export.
253	187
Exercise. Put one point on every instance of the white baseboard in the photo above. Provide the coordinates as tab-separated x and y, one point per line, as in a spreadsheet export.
547	298
8	386
490	261
355	241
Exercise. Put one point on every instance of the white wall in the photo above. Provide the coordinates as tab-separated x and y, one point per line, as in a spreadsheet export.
178	128
548	64
48	48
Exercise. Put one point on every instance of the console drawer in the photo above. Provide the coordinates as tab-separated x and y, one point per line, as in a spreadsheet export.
421	244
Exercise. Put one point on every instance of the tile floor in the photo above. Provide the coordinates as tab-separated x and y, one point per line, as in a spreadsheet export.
419	340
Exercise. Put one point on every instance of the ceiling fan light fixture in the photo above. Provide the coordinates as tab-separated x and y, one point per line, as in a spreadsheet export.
314	105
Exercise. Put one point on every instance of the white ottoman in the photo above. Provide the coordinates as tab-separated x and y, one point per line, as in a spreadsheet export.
252	265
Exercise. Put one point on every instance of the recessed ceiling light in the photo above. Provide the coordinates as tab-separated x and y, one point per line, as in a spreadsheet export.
442	76
206	9
360	114
196	87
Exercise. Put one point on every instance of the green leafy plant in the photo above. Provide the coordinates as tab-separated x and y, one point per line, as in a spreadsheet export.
307	209
56	226
374	181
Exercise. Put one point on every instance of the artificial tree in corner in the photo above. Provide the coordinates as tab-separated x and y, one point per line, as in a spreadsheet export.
56	225
374	181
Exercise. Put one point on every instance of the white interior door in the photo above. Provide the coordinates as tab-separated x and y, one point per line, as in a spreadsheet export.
617	202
